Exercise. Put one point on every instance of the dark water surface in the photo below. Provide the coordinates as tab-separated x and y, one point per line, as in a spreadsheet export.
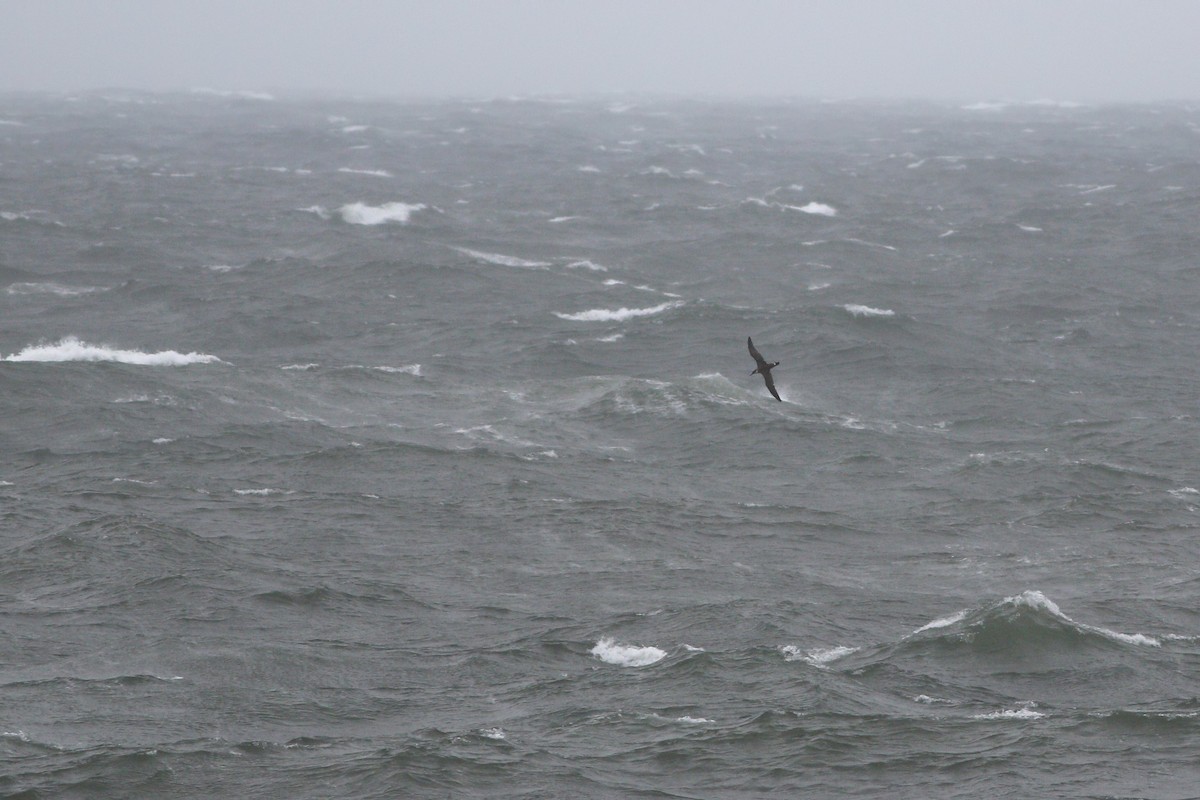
374	450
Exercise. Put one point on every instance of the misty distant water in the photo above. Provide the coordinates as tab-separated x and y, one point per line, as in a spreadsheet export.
379	450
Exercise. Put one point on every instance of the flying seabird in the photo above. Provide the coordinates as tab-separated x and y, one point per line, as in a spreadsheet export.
764	369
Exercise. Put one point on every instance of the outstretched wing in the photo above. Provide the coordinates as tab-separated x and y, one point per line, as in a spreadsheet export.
762	362
771	385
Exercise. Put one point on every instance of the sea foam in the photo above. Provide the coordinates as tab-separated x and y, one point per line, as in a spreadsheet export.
866	311
1012	713
616	314
943	622
379	173
502	260
50	288
625	655
72	349
363	214
818	657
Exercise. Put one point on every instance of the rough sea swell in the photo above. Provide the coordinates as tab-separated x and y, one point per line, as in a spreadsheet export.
373	450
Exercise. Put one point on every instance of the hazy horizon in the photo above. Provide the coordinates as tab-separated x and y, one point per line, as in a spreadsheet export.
1062	50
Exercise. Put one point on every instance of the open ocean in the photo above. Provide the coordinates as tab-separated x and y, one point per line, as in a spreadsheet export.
356	449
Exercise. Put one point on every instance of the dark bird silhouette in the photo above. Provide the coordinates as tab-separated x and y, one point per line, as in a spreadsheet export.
764	369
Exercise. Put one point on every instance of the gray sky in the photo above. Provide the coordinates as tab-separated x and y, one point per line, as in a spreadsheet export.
1081	50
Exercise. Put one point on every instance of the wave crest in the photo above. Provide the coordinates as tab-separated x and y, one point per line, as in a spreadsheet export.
617	314
73	349
625	655
363	214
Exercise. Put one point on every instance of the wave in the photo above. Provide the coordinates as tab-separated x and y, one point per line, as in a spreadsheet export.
239	94
819	209
404	369
1038	601
363	214
502	260
379	173
52	288
585	264
1025	712
21	216
867	311
617	314
1015	635
623	655
818	657
73	349
942	622
992	105
1028	618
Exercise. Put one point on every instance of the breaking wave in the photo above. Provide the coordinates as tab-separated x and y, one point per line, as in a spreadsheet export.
502	260
616	314
73	349
866	311
625	655
363	214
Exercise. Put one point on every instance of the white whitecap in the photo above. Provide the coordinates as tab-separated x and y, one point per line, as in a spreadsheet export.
407	369
72	349
502	260
616	314
694	720
624	655
492	733
818	657
943	622
363	214
1036	600
1025	713
867	311
821	209
240	94
378	173
585	264
262	492
51	288
985	106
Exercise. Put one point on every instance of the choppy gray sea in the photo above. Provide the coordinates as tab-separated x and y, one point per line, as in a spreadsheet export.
355	449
